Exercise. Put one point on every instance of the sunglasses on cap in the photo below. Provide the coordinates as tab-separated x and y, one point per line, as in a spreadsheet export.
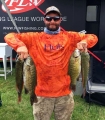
56	18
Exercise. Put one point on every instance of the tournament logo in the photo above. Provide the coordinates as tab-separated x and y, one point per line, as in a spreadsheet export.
20	6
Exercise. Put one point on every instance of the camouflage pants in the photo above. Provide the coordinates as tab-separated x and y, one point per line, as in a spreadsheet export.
61	106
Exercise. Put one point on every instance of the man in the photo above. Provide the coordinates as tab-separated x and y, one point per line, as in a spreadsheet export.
51	51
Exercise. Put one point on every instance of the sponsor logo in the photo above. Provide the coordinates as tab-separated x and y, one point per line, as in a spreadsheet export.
51	47
20	6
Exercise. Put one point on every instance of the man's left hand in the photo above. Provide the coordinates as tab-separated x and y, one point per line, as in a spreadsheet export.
82	46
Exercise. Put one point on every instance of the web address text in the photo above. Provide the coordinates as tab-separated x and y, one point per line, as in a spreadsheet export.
24	28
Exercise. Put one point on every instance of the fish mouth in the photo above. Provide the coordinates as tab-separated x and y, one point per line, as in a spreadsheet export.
76	57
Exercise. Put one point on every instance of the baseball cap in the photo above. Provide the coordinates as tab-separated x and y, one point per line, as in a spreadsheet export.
51	9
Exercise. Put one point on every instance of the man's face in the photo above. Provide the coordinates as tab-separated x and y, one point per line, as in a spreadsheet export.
52	21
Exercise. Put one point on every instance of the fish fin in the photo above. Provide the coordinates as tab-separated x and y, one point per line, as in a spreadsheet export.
26	91
78	79
73	87
33	99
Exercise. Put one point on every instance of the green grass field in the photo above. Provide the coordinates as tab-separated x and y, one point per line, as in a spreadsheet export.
11	110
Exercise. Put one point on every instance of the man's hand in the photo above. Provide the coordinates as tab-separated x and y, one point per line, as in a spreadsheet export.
82	46
22	52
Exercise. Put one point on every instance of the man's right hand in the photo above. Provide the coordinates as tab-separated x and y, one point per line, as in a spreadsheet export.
22	52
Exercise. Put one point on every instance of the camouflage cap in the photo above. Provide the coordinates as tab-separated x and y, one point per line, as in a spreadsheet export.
51	9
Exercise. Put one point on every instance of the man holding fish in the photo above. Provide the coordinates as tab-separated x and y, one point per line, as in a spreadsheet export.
51	51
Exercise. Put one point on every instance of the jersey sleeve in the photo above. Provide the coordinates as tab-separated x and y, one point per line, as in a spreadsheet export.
90	39
16	40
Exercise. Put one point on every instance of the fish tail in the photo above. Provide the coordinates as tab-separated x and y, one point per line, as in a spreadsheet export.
33	99
19	97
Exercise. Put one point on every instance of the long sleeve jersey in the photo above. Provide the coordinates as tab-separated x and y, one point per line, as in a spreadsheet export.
51	54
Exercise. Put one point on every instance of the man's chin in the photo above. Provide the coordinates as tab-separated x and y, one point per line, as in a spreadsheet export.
53	29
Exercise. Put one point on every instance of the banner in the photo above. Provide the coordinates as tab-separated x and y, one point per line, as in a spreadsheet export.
28	15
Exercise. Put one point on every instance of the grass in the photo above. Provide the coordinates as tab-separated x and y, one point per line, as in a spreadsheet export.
11	110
